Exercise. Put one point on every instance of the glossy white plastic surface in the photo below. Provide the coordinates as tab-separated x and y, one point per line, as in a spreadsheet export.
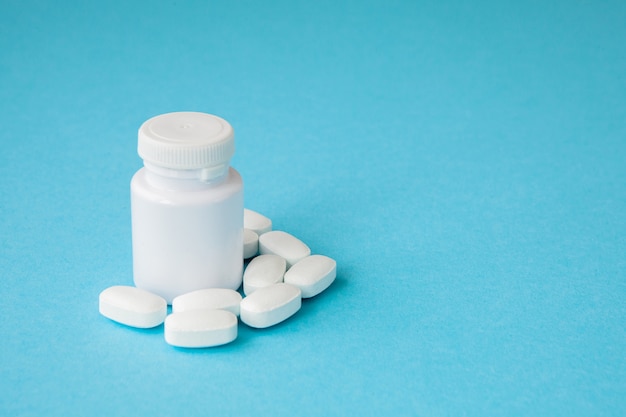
208	298
132	306
200	328
312	274
189	142
263	271
187	235
284	245
270	305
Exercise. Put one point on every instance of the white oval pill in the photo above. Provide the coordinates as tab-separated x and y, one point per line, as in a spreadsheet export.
132	306
263	271
283	244
200	328
209	298
256	222
271	305
312	274
250	244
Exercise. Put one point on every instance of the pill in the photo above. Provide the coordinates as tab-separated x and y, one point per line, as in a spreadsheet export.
312	274
209	298
200	328
263	271
283	244
256	222
250	244
271	305
132	306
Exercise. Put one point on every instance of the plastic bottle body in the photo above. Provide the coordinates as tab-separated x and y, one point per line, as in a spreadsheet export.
186	234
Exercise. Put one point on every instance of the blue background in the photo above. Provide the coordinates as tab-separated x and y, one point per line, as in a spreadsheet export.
464	162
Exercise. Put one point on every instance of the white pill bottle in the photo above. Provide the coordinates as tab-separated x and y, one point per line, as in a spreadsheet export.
186	206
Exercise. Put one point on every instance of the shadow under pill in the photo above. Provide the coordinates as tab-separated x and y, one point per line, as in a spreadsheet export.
151	331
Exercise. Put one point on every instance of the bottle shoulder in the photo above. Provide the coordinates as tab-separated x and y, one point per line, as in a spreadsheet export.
142	187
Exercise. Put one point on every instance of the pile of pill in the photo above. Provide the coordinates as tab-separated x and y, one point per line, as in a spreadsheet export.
280	273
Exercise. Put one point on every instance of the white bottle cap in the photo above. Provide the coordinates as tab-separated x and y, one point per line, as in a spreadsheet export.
187	141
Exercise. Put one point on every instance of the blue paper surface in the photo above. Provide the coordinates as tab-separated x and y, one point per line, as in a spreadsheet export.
463	162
